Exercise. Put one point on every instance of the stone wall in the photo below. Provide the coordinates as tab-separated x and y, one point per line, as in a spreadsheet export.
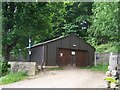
29	67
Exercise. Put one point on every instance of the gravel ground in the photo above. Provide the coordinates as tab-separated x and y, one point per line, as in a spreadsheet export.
68	78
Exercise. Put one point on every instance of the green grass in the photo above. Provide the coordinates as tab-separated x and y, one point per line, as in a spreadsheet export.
59	68
13	77
101	67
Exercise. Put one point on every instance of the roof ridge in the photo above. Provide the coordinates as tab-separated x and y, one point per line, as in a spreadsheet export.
49	41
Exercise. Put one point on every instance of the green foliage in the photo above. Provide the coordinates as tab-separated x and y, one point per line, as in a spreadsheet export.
107	48
104	26
59	68
4	68
77	16
100	67
13	77
24	20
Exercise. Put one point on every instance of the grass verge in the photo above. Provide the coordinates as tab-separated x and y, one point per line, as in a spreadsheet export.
13	77
101	67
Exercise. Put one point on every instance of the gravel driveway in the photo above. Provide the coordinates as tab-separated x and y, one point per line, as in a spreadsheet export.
68	78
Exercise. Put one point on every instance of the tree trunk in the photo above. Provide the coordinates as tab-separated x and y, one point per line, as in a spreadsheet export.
7	48
6	53
7	56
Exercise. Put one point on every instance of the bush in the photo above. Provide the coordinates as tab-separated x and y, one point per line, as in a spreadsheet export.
111	47
101	67
4	67
13	77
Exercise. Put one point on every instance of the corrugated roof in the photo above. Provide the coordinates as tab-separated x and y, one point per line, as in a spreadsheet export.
42	43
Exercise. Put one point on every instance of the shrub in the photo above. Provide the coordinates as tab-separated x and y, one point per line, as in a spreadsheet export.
111	47
101	67
4	67
13	77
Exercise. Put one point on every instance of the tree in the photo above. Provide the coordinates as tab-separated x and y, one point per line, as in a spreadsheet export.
58	11
21	20
104	28
77	18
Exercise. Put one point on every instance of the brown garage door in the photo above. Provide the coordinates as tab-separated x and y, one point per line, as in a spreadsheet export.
81	58
69	57
64	57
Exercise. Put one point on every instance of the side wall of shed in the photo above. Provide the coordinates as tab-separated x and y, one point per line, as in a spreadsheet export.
37	54
67	42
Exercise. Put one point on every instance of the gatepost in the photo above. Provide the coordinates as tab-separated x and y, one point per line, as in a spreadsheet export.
114	61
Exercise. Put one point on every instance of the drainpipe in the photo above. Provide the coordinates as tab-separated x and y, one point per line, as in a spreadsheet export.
42	63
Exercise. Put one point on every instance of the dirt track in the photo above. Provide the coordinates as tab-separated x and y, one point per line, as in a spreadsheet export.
68	78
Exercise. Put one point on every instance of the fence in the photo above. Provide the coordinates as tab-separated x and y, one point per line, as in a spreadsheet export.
105	57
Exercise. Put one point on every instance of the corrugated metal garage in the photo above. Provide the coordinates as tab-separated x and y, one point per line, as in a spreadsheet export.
63	51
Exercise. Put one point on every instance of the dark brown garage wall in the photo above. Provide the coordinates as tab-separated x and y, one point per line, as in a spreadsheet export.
67	42
37	54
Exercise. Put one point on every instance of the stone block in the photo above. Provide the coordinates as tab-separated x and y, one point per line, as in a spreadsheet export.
29	67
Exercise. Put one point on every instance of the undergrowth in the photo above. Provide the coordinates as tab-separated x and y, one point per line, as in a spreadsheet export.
100	67
13	77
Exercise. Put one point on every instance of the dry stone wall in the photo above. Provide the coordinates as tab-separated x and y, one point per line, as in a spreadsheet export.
29	67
